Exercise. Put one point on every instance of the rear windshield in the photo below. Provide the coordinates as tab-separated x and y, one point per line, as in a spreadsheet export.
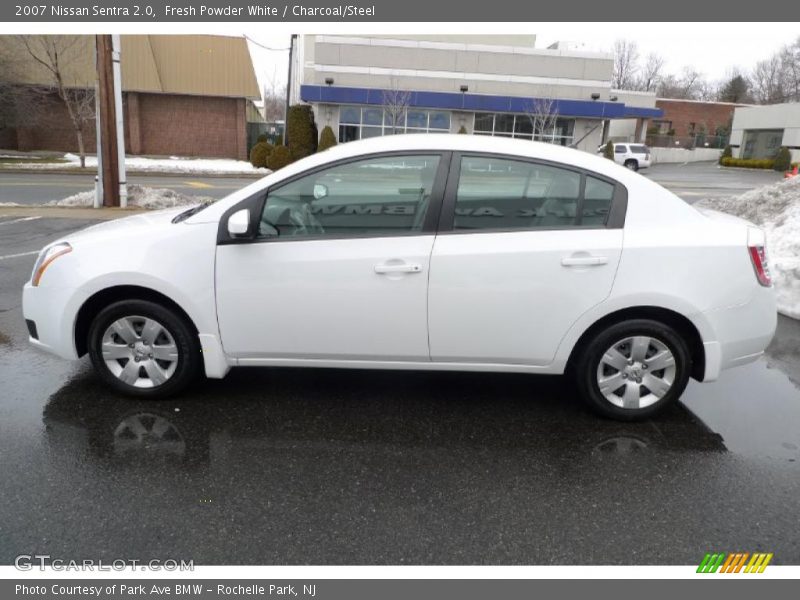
640	149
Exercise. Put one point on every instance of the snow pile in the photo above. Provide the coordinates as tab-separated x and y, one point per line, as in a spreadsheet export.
173	164
775	208
139	196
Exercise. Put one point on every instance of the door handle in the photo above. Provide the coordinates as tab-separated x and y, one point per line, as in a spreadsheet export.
398	268
583	261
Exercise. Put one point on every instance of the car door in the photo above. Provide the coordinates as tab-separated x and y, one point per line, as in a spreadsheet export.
620	153
337	264
530	248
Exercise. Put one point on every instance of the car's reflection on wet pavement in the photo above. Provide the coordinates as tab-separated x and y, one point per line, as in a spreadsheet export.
314	466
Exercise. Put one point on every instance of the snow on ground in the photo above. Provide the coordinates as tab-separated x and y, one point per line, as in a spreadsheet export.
173	164
775	208
139	196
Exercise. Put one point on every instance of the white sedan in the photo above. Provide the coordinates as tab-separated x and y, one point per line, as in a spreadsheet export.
445	252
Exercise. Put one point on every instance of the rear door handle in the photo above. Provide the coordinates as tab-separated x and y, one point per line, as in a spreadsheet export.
398	268
584	261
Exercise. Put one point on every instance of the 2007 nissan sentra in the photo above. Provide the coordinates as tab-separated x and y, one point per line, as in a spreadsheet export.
448	252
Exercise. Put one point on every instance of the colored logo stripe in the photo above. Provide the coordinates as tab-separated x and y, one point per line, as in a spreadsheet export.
734	562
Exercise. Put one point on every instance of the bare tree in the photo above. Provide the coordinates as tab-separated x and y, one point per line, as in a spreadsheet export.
395	106
767	80
651	73
543	114
274	104
59	56
626	64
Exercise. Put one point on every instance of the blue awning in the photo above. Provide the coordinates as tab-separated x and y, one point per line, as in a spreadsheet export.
475	102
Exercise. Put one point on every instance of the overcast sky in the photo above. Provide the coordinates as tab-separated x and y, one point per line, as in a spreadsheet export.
711	48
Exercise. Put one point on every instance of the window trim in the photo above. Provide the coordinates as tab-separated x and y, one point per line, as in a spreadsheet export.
614	220
255	203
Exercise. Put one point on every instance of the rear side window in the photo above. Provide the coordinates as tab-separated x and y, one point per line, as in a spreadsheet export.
620	149
496	193
639	149
597	198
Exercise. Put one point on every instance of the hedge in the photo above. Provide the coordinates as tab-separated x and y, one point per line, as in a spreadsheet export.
783	159
726	153
608	151
280	157
260	153
326	139
301	131
748	163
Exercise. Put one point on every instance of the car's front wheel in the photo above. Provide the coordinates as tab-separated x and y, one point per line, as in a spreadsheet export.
633	369
143	348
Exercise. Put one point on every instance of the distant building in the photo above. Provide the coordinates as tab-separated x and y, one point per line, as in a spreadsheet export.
758	131
683	123
476	84
187	95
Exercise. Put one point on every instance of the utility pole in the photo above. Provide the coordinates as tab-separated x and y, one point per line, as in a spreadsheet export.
108	155
288	91
116	45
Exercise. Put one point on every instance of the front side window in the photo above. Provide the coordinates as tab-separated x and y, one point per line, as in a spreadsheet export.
377	196
498	193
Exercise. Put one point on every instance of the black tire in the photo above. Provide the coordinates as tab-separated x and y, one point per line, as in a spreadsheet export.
585	368
632	164
183	334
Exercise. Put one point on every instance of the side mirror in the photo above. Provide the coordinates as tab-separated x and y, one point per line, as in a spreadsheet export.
320	191
239	223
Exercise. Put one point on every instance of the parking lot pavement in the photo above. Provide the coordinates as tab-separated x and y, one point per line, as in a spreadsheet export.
695	181
296	466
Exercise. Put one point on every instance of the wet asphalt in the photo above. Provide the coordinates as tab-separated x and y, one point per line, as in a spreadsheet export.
297	466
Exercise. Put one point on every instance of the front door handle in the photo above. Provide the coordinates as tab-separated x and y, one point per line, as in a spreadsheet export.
584	261
391	267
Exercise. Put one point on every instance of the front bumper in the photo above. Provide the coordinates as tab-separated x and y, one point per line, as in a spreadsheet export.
53	311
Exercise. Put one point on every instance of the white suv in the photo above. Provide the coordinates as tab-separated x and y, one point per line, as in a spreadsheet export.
447	252
632	156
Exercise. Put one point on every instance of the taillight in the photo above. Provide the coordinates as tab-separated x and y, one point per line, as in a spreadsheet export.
758	256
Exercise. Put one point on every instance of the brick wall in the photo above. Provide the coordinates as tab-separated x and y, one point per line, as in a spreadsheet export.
708	114
187	125
158	124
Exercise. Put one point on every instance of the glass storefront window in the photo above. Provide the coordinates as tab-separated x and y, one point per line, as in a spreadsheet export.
417	118
356	122
520	126
349	114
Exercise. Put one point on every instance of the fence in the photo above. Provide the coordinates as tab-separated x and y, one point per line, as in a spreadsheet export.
698	140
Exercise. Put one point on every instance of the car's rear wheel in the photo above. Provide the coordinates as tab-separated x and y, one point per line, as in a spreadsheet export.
633	369
144	349
632	164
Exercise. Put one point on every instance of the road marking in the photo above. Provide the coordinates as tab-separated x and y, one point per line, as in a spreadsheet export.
18	255
198	184
19	220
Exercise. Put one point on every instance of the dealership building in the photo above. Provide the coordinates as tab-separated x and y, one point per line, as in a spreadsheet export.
498	85
759	131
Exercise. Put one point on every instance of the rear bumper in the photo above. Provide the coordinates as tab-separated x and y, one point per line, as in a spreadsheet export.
742	332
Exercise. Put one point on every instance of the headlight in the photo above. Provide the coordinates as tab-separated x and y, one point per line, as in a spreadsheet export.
46	258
